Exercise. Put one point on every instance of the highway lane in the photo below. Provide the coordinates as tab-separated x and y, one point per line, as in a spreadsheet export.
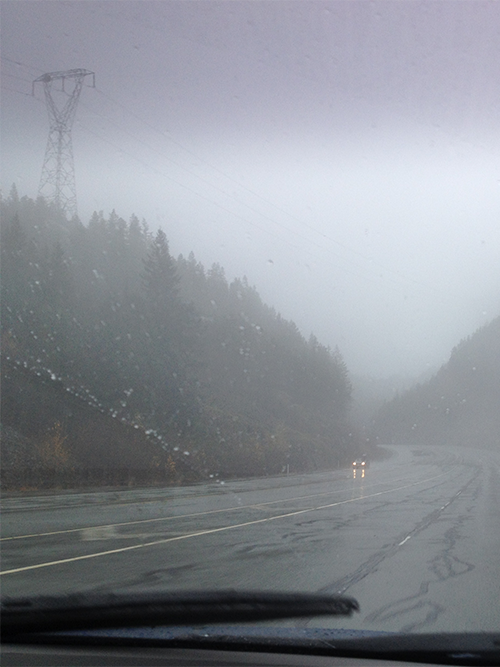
412	539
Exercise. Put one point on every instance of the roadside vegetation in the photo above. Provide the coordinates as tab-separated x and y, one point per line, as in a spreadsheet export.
458	405
124	365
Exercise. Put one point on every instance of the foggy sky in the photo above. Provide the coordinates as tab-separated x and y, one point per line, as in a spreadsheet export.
344	156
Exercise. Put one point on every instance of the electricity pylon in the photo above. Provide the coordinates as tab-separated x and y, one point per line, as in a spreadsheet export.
57	182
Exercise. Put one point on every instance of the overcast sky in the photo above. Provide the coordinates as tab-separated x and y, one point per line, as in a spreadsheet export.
344	156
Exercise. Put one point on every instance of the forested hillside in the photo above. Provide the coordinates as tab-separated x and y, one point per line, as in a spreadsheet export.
459	405
121	364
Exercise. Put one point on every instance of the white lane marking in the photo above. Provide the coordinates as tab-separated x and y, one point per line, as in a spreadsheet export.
170	518
209	531
405	540
187	516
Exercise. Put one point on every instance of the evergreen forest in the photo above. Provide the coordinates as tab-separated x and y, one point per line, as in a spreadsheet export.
123	365
459	405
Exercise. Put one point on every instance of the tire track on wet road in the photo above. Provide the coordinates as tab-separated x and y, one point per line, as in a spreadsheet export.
211	531
368	566
233	508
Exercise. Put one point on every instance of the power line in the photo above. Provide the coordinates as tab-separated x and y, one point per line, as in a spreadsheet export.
267	201
14	76
207	182
18	62
242	186
233	213
13	90
179	183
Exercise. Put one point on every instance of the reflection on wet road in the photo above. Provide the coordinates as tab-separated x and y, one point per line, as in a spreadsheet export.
411	538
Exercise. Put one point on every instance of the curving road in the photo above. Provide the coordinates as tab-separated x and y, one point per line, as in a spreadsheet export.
416	539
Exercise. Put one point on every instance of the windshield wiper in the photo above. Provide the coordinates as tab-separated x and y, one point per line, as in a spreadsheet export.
84	611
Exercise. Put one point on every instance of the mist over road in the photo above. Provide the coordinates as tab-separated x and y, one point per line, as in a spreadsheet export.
416	539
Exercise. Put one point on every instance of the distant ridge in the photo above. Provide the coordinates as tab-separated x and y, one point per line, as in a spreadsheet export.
459	405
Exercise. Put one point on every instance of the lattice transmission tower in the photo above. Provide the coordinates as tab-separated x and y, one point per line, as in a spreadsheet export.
57	182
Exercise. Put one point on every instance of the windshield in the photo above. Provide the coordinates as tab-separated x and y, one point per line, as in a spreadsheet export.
250	303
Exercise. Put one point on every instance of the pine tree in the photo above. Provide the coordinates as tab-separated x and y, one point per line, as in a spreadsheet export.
160	277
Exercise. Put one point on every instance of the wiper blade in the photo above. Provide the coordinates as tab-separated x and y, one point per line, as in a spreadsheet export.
83	611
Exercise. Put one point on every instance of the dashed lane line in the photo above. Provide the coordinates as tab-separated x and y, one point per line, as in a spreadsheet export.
210	531
179	516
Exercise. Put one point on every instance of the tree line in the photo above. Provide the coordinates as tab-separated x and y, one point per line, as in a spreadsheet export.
459	405
189	375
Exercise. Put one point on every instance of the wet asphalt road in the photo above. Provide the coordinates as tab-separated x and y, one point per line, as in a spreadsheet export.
416	540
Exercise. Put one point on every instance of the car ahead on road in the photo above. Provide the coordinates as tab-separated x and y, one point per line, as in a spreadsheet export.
333	145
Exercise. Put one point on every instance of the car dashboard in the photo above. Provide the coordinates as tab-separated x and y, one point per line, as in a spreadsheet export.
87	656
